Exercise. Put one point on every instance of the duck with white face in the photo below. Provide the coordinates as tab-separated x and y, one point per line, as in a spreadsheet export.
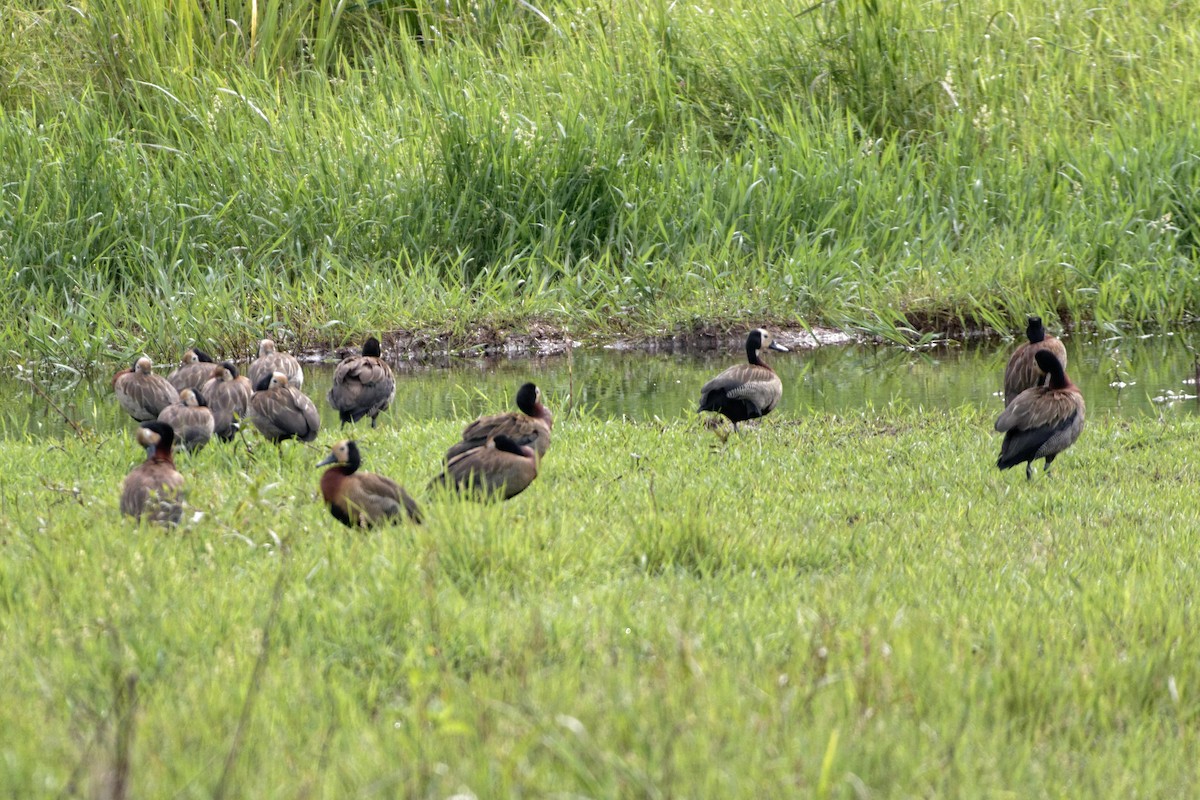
363	385
530	426
280	411
153	490
191	420
746	391
142	393
500	469
362	499
270	361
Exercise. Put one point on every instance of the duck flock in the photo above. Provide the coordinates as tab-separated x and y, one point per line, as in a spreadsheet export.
497	456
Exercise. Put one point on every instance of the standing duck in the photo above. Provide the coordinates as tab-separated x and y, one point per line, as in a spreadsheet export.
142	393
1043	421
1022	371
361	499
191	420
745	391
193	370
501	467
528	428
270	361
281	411
228	395
154	488
363	385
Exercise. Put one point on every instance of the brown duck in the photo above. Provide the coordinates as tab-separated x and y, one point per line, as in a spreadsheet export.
530	427
500	468
280	411
1022	371
270	361
195	368
228	395
142	393
1043	421
362	499
363	385
745	391
154	488
191	420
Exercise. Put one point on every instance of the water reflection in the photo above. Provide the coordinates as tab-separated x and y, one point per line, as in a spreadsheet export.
1118	376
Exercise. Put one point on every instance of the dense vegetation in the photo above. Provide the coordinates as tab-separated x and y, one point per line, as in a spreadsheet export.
856	606
174	170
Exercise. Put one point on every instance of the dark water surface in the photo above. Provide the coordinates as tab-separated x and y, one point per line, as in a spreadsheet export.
647	385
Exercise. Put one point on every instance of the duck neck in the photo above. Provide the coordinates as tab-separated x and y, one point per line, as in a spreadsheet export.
752	355
1059	380
331	481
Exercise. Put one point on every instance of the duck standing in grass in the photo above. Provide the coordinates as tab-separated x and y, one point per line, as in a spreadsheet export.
530	427
193	370
281	411
1043	421
362	499
745	391
191	420
142	393
270	361
1022	371
154	488
501	468
363	385
228	395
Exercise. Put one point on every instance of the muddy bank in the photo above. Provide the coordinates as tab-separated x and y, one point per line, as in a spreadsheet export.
542	339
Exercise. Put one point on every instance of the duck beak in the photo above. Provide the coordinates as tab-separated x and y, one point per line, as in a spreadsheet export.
329	459
779	347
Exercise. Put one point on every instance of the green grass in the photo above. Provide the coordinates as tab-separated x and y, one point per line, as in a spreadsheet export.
826	606
325	169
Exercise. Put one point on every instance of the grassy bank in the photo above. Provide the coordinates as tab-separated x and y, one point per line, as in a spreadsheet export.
172	172
827	606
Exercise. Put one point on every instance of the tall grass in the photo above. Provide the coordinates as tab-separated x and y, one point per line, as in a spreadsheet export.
869	165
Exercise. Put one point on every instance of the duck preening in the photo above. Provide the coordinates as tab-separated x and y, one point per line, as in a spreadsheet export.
270	361
1022	371
1042	421
530	427
191	420
193	370
228	395
154	488
745	391
281	411
142	393
362	499
363	385
501	468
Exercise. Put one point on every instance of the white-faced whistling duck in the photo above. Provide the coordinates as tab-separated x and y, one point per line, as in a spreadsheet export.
228	395
1043	421
362	499
142	393
191	420
270	361
500	468
1022	371
528	428
193	370
745	391
363	386
280	411
154	488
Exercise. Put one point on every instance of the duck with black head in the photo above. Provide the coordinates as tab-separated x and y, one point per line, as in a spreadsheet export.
501	468
1022	371
362	499
1042	421
281	411
153	490
142	393
530	426
363	385
746	391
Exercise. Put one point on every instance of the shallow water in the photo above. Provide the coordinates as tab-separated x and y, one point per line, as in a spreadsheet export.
647	385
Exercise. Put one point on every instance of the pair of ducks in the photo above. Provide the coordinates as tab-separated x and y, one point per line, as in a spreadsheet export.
497	456
1043	413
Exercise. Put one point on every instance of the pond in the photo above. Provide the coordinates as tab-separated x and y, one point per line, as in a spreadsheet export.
1123	376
